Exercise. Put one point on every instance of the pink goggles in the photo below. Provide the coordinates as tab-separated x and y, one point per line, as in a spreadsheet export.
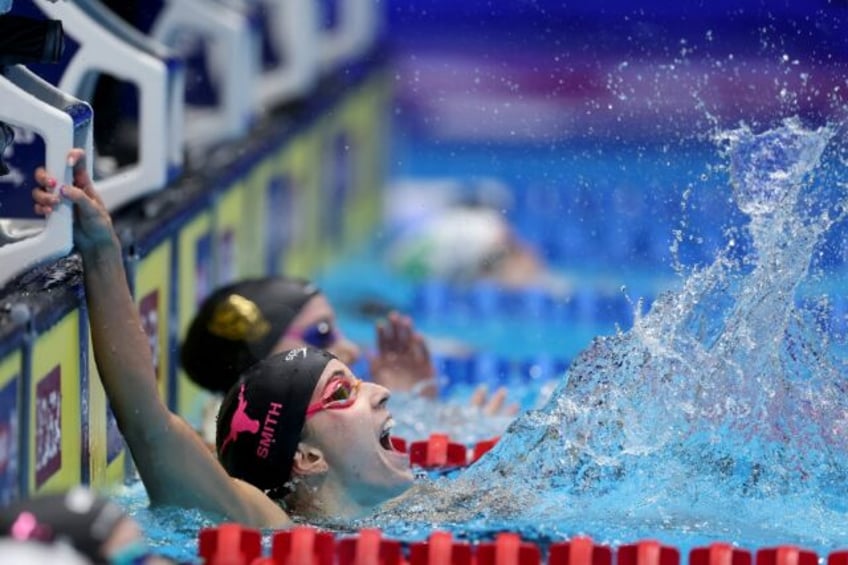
339	393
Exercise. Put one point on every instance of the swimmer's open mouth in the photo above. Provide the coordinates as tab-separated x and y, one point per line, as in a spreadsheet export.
386	435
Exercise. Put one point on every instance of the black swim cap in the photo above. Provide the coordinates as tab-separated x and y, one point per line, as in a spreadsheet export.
78	516
238	325
261	419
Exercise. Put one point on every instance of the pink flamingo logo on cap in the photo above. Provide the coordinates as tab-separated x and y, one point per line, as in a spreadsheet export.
240	421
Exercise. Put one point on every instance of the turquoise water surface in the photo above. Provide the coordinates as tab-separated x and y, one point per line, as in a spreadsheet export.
718	414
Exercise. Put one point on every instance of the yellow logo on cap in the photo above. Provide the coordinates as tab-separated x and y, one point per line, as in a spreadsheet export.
238	318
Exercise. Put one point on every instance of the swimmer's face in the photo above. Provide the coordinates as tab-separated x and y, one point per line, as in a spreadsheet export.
354	441
315	325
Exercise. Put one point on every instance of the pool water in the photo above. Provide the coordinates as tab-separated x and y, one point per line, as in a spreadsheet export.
711	407
717	415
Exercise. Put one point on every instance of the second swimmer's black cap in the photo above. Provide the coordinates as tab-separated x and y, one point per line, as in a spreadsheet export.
239	324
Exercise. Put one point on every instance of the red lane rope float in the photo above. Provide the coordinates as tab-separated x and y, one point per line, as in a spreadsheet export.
302	545
648	552
838	558
439	452
786	555
440	549
508	549
719	554
229	544
482	448
369	548
233	544
580	550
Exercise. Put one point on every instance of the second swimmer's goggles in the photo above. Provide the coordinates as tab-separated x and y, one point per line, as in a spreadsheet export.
339	393
321	335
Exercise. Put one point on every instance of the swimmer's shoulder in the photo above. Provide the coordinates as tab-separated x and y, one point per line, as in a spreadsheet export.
264	512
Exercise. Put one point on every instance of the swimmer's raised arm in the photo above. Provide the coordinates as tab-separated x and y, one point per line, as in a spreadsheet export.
403	363
175	465
403	360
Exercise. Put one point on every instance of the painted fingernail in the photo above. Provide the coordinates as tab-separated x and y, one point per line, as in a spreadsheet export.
62	190
51	182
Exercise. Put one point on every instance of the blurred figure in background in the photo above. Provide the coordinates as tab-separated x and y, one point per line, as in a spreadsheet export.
39	553
458	232
70	527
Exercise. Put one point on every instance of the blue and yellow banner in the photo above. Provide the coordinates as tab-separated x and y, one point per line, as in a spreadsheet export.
10	424
338	151
303	170
257	215
229	235
55	439
152	288
194	275
369	123
352	170
282	213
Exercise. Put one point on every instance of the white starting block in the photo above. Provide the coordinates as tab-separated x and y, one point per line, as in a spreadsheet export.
108	45
355	32
287	49
63	122
229	41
